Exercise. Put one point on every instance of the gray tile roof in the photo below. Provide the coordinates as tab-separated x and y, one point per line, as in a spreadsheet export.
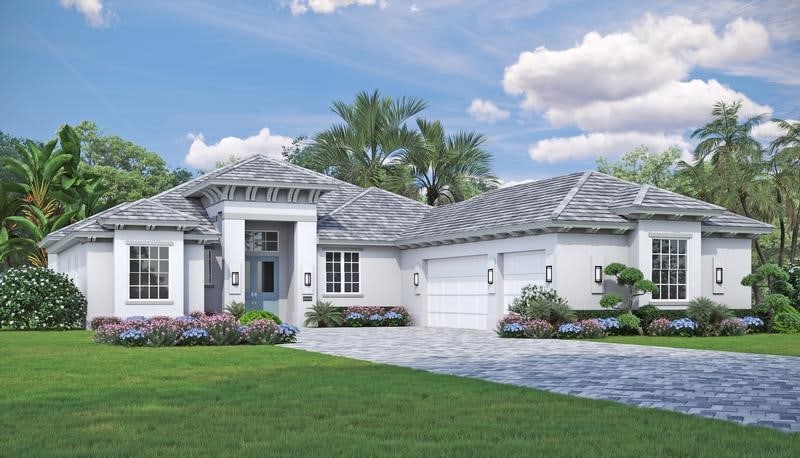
263	168
732	220
148	210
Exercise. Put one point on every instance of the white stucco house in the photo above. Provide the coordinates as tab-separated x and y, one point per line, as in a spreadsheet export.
279	237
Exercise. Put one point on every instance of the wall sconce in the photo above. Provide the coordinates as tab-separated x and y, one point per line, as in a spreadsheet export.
598	274
490	276
416	279
548	274
307	278
718	275
235	278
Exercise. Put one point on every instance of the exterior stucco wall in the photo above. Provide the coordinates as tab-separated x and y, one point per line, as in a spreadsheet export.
99	279
194	269
212	294
72	262
733	255
380	276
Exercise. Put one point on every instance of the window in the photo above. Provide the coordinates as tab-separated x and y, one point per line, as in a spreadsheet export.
149	272
342	272
669	268
209	265
261	240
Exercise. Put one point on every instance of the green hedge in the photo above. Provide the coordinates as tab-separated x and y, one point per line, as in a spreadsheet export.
668	314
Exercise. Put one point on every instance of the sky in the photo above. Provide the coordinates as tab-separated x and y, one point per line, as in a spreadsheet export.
552	84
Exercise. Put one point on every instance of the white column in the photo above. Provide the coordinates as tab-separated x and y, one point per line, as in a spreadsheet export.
194	270
305	256
233	260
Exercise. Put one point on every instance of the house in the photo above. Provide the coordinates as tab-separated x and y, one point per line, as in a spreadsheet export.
280	237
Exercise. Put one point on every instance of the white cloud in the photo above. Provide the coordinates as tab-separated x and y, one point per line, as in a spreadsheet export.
672	107
509	183
486	111
769	131
96	14
413	8
204	156
329	6
588	146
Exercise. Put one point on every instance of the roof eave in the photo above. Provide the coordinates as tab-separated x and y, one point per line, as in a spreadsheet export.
629	210
195	191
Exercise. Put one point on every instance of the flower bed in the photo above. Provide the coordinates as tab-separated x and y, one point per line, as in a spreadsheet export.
190	331
362	316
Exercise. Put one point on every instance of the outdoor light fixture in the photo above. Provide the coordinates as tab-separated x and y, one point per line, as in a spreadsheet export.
307	278
598	274
490	276
718	275
235	278
548	274
416	279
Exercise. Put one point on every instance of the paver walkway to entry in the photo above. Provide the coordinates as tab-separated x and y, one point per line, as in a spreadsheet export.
751	389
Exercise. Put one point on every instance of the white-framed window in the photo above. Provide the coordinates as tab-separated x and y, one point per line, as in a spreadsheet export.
148	273
208	267
342	272
669	268
261	240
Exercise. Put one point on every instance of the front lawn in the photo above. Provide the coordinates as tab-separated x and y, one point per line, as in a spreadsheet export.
63	395
768	344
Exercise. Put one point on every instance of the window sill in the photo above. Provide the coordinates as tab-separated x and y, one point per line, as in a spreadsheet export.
149	302
676	303
342	295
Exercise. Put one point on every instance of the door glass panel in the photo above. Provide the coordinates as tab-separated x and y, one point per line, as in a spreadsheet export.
268	277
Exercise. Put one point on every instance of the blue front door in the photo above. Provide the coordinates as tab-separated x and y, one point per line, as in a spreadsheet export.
262	283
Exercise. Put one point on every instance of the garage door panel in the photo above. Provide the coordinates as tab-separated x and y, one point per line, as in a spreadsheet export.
457	294
519	270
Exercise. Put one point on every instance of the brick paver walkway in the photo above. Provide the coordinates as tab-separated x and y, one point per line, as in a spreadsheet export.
751	389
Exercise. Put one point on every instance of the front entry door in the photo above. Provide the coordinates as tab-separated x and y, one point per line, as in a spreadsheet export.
262	283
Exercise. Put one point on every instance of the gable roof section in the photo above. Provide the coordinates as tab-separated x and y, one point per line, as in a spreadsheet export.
147	210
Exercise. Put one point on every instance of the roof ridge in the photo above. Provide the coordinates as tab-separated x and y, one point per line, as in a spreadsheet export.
400	196
299	167
345	204
641	194
159	204
570	195
211	173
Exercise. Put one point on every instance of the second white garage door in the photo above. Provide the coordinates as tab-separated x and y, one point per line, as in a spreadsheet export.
519	270
457	292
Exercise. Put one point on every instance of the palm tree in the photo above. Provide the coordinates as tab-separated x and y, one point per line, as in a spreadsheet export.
728	151
363	149
449	168
785	167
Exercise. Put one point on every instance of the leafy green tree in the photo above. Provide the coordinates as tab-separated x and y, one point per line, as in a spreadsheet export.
633	280
784	166
448	168
646	167
128	171
771	289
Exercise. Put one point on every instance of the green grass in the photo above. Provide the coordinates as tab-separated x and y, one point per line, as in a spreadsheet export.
768	344
62	395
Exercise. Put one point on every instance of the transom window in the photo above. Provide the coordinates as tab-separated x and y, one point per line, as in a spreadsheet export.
149	272
261	240
342	272
669	268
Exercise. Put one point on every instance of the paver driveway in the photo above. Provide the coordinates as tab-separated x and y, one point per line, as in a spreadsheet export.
744	388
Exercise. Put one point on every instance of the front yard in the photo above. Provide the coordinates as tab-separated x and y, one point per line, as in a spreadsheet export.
767	344
63	395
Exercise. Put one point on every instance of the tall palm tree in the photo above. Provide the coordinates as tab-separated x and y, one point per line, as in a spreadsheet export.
363	149
728	150
785	166
449	168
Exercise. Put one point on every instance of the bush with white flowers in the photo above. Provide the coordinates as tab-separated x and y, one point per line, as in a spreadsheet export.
37	298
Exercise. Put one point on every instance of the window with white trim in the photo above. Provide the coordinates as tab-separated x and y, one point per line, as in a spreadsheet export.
669	269
261	240
208	267
148	273
342	272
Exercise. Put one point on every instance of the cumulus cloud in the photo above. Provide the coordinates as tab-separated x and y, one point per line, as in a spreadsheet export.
96	14
204	156
588	146
769	131
329	6
486	111
629	88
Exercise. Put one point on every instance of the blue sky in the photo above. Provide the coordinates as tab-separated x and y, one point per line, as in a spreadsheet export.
552	84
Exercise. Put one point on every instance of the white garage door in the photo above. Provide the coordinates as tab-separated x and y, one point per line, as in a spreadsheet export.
519	270
457	292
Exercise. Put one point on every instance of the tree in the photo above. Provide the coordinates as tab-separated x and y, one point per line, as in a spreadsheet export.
128	171
630	278
772	289
784	165
363	149
645	167
448	168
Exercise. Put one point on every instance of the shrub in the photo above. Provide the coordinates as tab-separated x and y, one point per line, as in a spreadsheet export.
162	332
732	327
288	333
648	313
36	298
236	309
404	318
109	333
355	319
540	303
707	314
569	331
504	326
538	329
793	270
195	336
786	323
323	315
629	324
98	321
610	325
393	319
262	332
197	314
375	319
660	327
632	280
132	337
253	315
222	329
592	329
684	327
753	324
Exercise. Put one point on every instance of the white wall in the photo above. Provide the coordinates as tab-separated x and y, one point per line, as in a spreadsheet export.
233	257
734	256
123	306
379	274
193	284
99	279
305	257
